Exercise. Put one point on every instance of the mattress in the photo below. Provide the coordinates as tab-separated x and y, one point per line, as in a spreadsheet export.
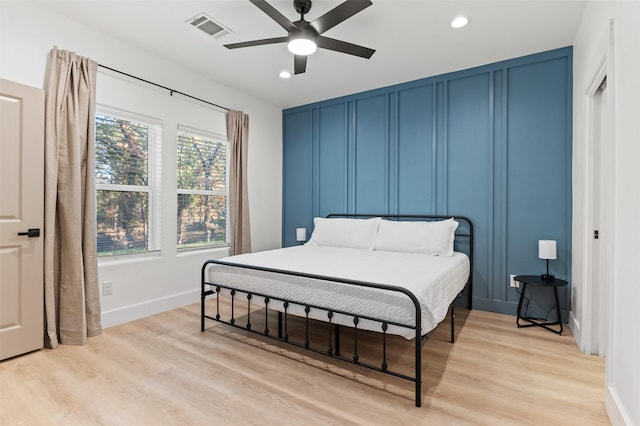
434	280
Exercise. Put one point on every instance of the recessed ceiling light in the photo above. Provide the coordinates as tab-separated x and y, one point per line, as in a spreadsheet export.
285	74
459	22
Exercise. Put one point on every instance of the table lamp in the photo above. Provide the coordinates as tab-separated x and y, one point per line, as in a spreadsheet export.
301	235
547	250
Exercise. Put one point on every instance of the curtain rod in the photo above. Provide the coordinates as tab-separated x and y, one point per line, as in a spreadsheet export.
171	91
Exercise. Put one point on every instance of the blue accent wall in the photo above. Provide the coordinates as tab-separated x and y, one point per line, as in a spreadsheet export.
492	143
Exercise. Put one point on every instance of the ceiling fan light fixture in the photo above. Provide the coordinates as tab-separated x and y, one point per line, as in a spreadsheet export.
305	37
302	46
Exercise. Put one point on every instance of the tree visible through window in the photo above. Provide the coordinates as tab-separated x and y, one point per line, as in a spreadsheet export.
124	155
202	189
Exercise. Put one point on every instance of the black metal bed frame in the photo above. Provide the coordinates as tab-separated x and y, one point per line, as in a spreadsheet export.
333	348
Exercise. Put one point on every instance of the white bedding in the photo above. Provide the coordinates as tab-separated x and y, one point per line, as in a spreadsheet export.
434	280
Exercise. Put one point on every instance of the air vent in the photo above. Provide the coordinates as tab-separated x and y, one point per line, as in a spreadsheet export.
209	25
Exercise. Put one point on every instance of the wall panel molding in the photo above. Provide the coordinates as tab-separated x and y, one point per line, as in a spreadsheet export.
492	143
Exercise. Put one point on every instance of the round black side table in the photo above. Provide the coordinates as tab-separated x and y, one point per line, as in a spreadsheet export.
536	280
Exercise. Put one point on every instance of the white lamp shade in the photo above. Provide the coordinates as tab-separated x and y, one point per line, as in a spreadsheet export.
301	234
547	249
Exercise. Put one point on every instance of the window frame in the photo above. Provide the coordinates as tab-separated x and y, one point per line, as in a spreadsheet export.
153	189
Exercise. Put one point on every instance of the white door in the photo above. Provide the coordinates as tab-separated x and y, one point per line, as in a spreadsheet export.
21	210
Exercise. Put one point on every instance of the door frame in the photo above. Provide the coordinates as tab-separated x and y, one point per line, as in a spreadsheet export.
606	145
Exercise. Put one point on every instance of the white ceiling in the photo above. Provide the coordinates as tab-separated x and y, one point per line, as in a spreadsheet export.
412	40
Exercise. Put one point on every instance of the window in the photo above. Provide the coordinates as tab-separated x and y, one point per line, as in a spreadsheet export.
202	185
127	160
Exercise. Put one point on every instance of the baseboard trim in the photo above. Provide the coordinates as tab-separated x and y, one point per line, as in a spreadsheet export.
615	410
148	308
497	306
576	330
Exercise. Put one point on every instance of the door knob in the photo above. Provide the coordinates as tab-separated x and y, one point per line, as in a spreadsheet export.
32	232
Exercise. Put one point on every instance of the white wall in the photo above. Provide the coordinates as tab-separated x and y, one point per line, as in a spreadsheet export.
622	387
149	285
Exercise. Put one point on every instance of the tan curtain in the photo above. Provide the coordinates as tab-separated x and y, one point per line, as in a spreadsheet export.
72	300
238	134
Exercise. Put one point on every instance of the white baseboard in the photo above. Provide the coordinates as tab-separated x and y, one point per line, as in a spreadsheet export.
576	330
615	410
148	308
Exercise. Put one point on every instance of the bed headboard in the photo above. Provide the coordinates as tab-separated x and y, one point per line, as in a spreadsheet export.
463	238
464	234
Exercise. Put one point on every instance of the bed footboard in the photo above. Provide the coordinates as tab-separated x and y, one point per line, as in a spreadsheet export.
251	301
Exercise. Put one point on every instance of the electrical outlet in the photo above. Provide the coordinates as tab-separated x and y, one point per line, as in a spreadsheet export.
512	282
107	288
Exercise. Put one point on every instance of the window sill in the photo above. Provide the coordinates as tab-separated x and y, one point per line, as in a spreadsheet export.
130	258
218	251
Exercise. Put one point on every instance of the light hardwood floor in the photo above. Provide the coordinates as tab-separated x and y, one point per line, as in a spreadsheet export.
162	370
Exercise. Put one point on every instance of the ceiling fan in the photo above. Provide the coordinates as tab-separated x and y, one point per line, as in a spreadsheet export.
304	37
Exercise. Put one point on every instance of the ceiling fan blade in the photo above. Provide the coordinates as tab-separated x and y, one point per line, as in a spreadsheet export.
338	14
257	42
299	64
344	47
274	14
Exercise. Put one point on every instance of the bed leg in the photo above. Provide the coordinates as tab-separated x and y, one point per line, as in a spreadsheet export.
337	337
418	366
202	298
453	328
279	325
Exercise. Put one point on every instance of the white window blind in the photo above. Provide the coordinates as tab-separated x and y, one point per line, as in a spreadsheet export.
202	189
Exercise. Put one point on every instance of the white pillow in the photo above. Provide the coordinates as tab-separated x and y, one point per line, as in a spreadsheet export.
434	238
343	232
